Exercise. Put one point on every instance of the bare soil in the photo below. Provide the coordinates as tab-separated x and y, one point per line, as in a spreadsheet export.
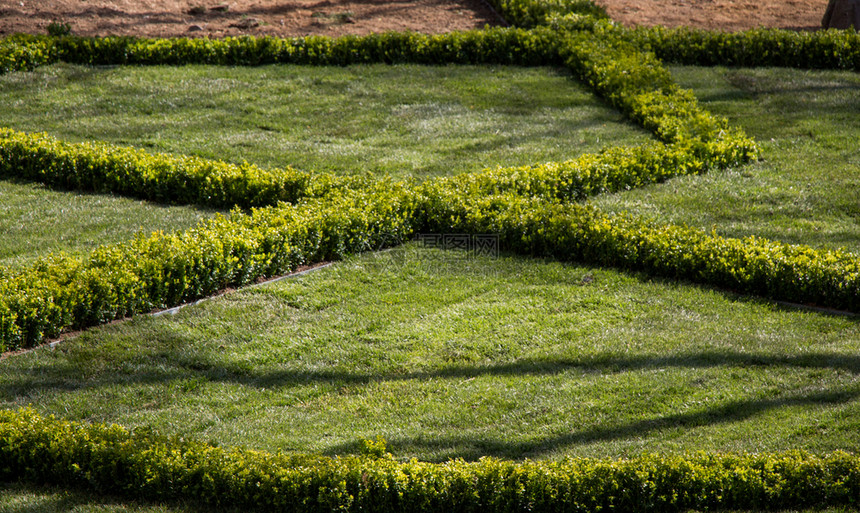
725	15
220	18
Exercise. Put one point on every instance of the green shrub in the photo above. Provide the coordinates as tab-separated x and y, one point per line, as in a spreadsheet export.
532	13
59	28
61	292
25	53
141	464
829	49
615	169
103	167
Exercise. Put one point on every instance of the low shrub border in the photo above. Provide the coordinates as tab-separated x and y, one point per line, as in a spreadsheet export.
62	292
583	233
177	179
827	49
615	169
515	46
142	465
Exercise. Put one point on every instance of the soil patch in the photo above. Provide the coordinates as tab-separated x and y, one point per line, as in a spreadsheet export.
221	18
725	15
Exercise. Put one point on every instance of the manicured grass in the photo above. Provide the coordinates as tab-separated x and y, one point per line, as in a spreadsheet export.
402	120
36	221
805	190
21	498
512	357
444	358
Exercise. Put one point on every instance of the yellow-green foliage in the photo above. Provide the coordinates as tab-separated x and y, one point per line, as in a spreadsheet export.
164	178
141	464
61	292
828	49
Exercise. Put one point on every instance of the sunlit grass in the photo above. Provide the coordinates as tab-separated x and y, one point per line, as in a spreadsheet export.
804	191
403	120
446	358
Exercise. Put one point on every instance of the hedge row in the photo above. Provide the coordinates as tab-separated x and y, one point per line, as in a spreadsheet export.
832	49
583	233
615	169
110	459
62	292
164	178
633	81
25	53
489	46
827	49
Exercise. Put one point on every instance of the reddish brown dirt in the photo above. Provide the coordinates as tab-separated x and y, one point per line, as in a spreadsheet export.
726	15
219	18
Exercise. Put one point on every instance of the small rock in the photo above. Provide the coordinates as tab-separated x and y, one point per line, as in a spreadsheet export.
220	8
246	23
195	28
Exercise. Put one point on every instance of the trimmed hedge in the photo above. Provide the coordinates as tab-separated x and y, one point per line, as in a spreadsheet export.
22	52
827	49
61	292
164	178
141	465
583	233
514	46
612	170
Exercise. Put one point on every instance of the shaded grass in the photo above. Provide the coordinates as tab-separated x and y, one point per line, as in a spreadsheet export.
35	221
26	498
804	191
403	120
447	358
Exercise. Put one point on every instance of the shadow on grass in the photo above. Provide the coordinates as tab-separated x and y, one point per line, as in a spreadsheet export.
474	447
66	376
62	376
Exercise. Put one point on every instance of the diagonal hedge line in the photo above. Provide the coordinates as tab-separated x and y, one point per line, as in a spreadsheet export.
584	233
177	179
61	292
633	81
527	206
141	465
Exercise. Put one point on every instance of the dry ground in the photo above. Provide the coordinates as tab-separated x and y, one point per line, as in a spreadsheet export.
218	18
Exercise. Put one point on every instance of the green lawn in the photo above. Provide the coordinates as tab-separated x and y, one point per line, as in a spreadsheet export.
36	221
805	189
18	498
446	357
403	120
450	356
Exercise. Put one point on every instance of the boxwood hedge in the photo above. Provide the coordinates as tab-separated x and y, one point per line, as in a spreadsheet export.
140	464
533	208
